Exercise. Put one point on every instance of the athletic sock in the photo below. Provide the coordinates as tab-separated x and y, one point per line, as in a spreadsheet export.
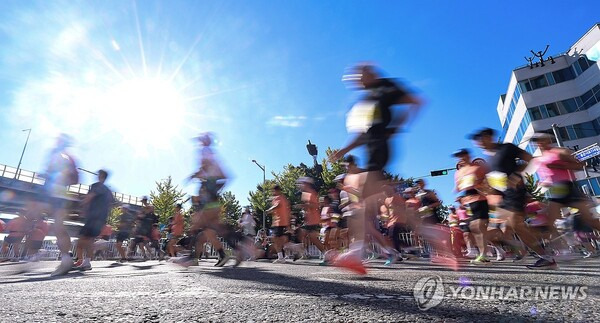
280	255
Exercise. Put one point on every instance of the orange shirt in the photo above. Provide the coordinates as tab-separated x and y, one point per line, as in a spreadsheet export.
311	216
40	230
17	226
281	213
395	208
177	225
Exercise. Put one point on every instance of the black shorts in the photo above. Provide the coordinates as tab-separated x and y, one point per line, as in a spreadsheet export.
139	239
479	210
35	245
91	229
378	151
154	244
13	239
580	226
565	193
343	224
122	236
309	228
513	199
464	227
279	231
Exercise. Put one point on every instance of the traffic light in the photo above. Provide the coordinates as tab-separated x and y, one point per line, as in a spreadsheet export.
439	172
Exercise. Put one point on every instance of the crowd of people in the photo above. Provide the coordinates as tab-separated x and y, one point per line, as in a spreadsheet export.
494	214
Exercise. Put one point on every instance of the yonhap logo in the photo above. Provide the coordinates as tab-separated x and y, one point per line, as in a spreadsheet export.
428	292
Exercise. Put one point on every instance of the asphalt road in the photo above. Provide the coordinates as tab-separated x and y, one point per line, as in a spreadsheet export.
301	291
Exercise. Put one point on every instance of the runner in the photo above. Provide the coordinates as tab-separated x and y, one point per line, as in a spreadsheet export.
61	172
280	211
556	166
373	121
506	181
206	220
126	223
397	224
97	204
469	180
176	231
312	219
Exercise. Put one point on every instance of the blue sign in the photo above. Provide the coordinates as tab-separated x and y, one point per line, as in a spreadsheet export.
587	152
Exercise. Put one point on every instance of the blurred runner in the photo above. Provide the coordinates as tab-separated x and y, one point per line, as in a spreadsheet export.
97	204
177	226
281	213
505	180
374	123
126	223
61	171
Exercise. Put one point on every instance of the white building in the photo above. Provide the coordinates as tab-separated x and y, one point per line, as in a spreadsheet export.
566	92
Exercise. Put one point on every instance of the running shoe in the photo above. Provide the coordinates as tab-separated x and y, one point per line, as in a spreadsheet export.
279	261
84	267
544	264
471	254
65	265
392	259
481	260
500	257
350	262
222	261
518	258
186	261
78	263
123	260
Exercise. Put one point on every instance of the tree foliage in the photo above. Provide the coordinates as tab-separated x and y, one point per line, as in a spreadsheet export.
114	216
533	188
165	198
230	208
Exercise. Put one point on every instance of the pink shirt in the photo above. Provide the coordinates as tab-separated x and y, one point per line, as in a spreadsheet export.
462	215
548	175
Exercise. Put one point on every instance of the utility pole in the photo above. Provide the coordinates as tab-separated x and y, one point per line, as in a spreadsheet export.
23	153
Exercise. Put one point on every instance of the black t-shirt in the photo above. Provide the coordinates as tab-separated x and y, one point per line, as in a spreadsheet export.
385	93
100	205
505	159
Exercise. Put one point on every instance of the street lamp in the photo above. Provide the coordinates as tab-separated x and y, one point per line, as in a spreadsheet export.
262	167
23	153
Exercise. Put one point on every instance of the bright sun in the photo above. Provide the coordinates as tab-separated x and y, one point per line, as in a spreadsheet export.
147	111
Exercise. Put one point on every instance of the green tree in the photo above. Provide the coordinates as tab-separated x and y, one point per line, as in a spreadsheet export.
260	200
165	198
230	208
114	216
533	188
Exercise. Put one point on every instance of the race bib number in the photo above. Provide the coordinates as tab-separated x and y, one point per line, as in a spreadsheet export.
558	191
497	180
466	182
362	116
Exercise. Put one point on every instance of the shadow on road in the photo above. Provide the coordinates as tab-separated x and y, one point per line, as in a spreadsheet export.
317	288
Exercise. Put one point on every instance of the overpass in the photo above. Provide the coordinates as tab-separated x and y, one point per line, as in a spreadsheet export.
15	189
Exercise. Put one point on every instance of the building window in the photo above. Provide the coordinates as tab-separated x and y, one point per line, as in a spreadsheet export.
569	105
588	99
525	86
536	114
552	109
539	82
563	75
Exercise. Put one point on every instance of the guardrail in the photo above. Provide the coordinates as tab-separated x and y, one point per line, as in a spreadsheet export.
50	251
34	178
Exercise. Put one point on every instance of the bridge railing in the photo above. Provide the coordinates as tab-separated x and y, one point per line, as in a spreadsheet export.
30	177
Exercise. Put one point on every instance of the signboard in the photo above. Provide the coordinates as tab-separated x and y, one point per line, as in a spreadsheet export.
587	152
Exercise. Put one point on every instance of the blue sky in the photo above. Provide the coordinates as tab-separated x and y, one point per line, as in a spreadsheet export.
134	82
